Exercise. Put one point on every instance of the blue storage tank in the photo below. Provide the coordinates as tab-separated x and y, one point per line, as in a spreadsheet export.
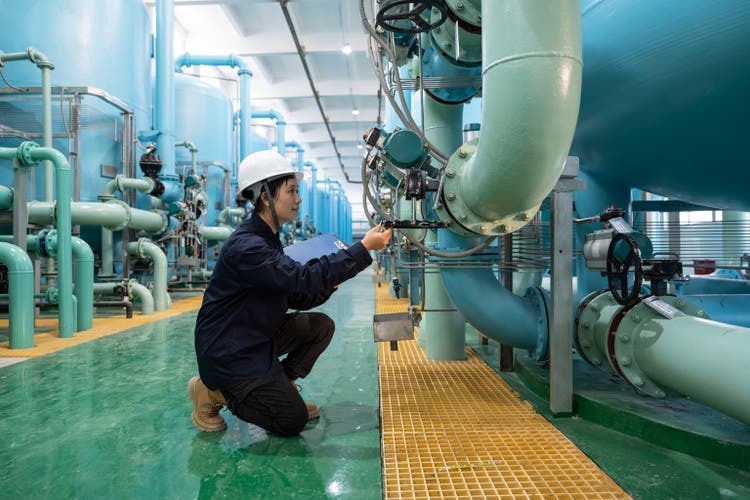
664	102
203	116
105	44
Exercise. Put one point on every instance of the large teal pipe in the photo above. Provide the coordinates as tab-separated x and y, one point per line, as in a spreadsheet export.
6	198
21	291
280	124
84	270
531	88
165	100
146	249
114	215
215	233
29	153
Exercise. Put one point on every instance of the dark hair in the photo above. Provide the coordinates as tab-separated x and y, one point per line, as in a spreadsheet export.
273	186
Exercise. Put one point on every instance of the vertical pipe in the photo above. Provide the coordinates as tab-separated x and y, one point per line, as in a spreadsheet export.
443	326
245	112
49	195
280	134
21	291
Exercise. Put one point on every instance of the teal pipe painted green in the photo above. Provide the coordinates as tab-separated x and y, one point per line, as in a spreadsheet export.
134	290
699	358
84	271
531	88
121	183
114	215
442	324
228	213
6	198
146	249
21	291
215	233
140	292
29	153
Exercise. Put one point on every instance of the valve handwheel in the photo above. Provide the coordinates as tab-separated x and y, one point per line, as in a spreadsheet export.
620	261
390	15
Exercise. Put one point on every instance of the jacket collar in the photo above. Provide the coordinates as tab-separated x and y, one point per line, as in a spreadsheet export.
260	227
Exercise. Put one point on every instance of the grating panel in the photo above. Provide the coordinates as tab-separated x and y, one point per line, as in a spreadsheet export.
456	430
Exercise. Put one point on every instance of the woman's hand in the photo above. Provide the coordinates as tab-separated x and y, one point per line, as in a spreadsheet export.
377	237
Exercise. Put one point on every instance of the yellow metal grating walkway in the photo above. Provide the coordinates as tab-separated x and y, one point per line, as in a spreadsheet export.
457	430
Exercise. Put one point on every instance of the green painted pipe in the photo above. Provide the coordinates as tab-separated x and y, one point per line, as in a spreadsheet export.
443	325
146	249
6	198
140	292
215	233
134	290
119	183
114	215
29	153
669	343
228	212
531	88
84	271
21	291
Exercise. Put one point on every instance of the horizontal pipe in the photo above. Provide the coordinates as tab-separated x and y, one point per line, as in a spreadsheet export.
215	233
113	215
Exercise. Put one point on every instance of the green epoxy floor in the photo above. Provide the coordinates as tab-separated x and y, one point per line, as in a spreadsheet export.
111	419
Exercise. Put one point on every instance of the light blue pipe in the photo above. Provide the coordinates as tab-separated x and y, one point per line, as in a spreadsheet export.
29	153
115	215
731	309
215	233
21	291
228	213
146	249
165	100
280	123
311	191
300	153
84	272
233	61
704	285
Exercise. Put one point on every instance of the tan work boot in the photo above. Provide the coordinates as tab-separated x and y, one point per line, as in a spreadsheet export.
206	406
312	410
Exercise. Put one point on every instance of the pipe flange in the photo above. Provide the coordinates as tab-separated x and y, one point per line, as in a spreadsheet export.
47	243
593	320
469	14
539	298
126	220
23	153
634	321
588	316
461	213
52	295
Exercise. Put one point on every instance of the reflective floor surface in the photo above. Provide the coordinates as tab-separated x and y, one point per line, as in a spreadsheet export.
111	419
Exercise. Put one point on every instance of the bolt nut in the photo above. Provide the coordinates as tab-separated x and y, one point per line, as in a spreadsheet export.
481	229
636	318
625	361
450	173
638	382
451	196
597	361
462	152
460	6
462	217
503	228
625	339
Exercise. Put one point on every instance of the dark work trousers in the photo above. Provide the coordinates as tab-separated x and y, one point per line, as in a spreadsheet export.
273	403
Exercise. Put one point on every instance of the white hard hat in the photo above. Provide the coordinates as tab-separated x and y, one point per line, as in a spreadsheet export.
263	166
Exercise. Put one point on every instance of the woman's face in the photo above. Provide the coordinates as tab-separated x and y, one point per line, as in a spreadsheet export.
287	201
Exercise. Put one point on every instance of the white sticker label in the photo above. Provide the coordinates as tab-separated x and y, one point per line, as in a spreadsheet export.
663	308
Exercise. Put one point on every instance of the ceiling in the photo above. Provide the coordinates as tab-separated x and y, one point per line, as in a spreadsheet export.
257	30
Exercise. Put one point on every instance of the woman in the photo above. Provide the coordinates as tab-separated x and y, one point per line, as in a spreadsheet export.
243	325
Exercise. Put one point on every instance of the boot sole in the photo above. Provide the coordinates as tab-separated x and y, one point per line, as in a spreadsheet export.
196	422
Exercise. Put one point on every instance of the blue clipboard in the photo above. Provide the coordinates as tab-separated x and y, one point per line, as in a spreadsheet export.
314	248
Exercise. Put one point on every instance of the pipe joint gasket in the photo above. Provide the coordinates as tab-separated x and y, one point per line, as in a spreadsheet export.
592	311
624	340
538	298
125	220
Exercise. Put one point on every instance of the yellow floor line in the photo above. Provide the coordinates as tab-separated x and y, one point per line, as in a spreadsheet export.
457	430
48	341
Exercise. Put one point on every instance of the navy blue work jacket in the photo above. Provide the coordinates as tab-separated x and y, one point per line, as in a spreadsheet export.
252	286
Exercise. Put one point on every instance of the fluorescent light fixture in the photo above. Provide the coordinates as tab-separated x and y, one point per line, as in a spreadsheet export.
355	111
346	49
